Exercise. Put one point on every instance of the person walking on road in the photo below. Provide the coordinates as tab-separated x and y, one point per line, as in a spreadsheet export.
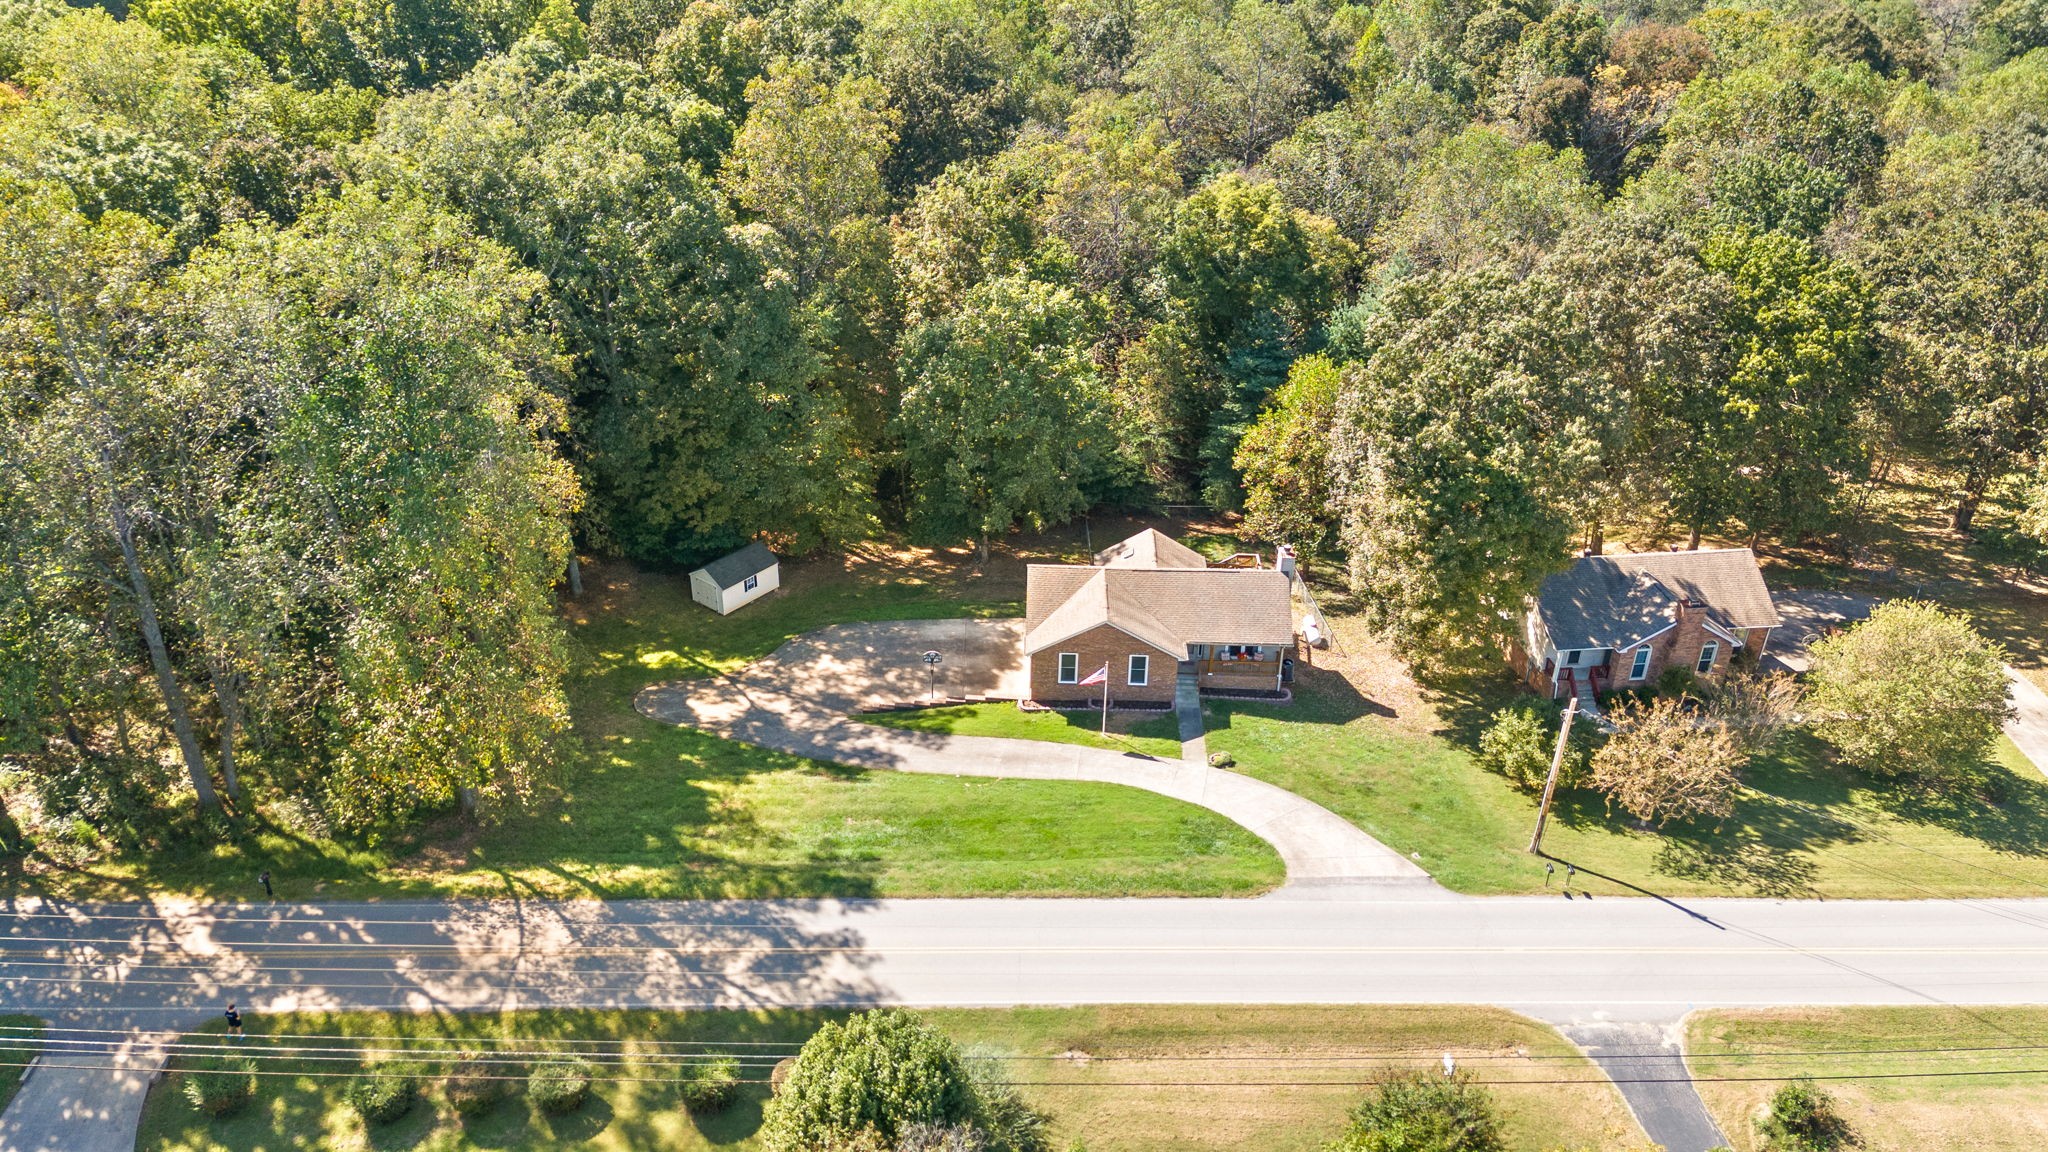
234	1021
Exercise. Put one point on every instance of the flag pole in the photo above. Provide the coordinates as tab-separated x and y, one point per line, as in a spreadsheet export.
1105	699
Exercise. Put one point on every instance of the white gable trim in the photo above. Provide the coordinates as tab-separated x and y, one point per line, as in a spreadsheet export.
1153	644
1723	633
1640	641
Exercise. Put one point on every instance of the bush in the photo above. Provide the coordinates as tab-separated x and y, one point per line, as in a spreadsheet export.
1678	680
558	1087
472	1087
884	1071
383	1093
713	1087
1912	691
221	1085
1803	1119
1520	742
1423	1113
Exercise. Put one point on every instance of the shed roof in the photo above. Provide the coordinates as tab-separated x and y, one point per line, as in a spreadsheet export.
1616	601
729	570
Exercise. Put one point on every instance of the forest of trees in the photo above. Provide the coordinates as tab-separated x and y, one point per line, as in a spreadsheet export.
331	331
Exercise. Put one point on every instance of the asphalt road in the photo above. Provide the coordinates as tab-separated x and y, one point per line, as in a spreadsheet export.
1561	959
1584	964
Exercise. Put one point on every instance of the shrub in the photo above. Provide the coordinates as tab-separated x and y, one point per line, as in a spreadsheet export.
1678	681
1222	760
473	1087
713	1087
1423	1113
883	1070
1519	743
1005	1122
558	1087
383	1093
1663	764
221	1085
1803	1119
1911	691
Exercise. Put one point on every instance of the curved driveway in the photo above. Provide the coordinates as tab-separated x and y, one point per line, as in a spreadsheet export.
797	700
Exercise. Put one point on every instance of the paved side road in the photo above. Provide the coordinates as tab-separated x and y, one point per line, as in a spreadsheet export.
2029	726
83	1102
797	700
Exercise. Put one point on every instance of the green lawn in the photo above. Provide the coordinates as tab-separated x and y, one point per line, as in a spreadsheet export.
1805	827
1898	1108
19	1039
649	810
1107	1076
1150	735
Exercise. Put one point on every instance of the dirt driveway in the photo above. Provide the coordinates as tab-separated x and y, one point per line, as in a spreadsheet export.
856	667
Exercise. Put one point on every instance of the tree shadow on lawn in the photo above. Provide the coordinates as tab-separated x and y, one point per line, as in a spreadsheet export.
1988	802
658	800
1320	697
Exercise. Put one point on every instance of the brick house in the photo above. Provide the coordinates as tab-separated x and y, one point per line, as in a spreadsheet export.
1619	621
1155	614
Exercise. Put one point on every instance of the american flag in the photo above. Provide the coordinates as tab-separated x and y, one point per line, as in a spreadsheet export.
1099	676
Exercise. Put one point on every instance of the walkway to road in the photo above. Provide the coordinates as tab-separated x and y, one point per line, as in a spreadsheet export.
798	700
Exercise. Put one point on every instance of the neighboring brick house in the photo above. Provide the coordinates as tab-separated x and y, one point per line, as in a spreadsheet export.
1619	621
1152	611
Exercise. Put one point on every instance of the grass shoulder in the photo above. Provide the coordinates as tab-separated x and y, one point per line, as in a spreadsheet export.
20	1039
1990	1109
1110	1077
1155	735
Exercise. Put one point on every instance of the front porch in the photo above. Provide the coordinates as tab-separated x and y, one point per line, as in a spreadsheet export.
1242	674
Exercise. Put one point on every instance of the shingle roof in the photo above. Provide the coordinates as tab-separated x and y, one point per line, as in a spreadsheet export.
1168	608
1615	601
1150	549
730	569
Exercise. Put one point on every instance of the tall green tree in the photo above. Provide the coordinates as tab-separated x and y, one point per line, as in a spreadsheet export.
1800	324
1961	294
695	409
1003	412
1459	450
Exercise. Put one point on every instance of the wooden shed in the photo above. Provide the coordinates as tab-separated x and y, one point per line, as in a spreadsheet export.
737	579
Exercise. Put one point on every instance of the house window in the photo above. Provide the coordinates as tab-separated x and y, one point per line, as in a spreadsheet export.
1572	657
751	583
1641	667
1708	651
1070	667
1140	671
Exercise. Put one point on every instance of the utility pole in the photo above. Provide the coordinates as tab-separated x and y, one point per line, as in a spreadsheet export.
1564	733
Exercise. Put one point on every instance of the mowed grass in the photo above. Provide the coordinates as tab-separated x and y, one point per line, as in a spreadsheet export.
1148	735
1899	1108
643	809
1115	1078
20	1037
1804	826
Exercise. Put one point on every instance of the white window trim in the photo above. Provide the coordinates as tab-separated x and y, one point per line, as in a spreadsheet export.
1709	652
1131	673
1571	657
750	583
1063	671
1639	664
